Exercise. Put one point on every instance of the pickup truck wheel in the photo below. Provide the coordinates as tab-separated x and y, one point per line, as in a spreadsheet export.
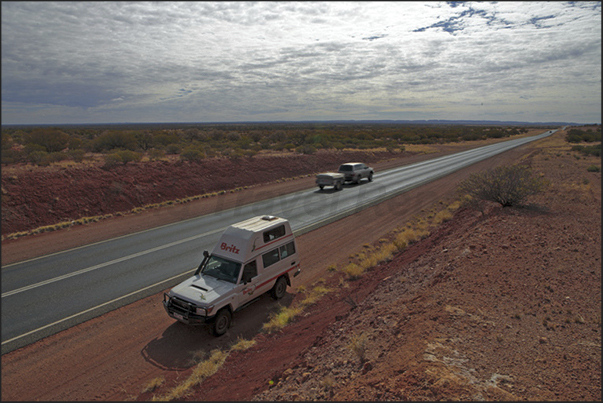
358	179
321	187
338	186
221	322
280	288
370	177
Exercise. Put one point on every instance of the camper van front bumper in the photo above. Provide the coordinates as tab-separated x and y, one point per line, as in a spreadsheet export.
185	311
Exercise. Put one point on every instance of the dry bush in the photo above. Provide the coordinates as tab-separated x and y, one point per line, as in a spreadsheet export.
353	271
506	185
358	345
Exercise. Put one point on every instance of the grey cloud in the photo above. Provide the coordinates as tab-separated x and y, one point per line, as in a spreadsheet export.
215	57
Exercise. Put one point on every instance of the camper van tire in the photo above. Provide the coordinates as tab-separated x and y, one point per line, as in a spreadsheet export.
222	322
280	288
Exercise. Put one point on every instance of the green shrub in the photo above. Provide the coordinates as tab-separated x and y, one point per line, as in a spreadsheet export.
172	149
306	149
233	154
57	156
506	185
77	155
11	156
121	157
594	151
112	160
51	139
156	154
250	153
38	157
191	154
128	156
593	168
114	139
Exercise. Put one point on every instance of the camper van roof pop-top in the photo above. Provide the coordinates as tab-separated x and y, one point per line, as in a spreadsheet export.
242	240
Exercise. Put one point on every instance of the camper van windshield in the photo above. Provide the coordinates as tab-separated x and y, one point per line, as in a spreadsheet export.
222	269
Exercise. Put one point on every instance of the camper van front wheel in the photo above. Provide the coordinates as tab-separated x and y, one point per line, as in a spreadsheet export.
222	322
280	288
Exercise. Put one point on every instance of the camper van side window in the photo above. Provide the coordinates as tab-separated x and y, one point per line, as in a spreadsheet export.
249	271
270	257
287	250
274	233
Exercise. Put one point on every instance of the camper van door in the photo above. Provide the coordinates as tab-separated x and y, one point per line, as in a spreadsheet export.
248	283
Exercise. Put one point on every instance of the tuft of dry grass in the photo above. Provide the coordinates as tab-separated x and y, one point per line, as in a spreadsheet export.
285	315
281	318
317	292
442	216
153	384
420	149
242	344
204	370
352	271
359	345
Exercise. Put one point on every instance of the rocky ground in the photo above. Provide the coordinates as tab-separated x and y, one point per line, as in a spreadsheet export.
499	304
504	306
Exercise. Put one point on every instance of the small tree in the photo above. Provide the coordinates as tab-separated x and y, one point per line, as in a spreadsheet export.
506	185
50	138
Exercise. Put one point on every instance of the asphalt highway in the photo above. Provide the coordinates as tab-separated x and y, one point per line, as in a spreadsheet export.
45	295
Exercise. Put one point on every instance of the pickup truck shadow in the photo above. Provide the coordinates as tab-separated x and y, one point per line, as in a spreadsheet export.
181	346
331	189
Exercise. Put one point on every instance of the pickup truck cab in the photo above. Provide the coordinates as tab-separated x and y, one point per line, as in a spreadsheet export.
356	171
334	179
251	258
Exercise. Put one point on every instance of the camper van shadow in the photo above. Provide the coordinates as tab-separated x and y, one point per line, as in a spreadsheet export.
181	346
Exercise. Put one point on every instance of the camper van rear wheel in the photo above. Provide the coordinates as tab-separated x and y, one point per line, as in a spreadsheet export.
280	288
222	322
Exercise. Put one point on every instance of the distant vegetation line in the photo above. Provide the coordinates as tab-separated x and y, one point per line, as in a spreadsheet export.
121	144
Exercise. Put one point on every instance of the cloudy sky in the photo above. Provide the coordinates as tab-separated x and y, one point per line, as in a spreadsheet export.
109	62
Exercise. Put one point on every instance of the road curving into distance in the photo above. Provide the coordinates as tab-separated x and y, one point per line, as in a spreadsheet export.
45	295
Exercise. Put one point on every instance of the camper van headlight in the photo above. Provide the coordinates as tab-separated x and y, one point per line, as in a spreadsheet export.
204	311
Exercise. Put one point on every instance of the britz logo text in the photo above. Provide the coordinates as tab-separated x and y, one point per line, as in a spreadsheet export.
230	248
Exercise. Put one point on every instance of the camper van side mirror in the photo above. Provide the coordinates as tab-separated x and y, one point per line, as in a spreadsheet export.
205	253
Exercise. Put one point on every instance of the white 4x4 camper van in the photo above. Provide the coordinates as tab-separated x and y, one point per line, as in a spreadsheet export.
252	257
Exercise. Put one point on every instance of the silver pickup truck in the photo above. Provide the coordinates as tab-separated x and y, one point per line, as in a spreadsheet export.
356	171
334	179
